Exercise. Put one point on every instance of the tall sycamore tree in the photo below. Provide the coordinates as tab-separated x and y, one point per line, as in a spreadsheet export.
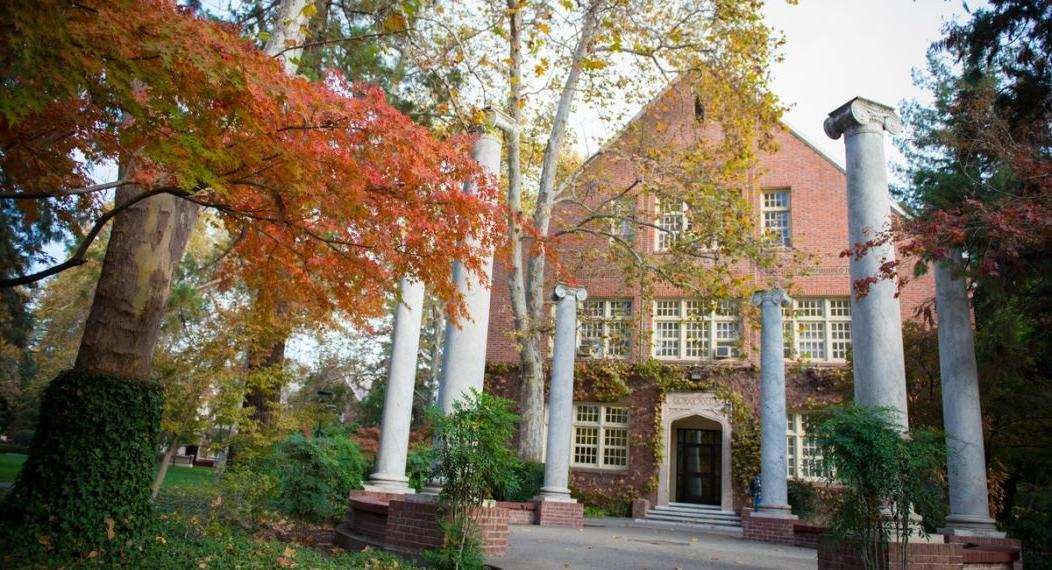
310	177
537	60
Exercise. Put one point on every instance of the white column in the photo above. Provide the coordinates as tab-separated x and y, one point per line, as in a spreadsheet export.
773	490
962	417
398	398
876	323
464	354
560	403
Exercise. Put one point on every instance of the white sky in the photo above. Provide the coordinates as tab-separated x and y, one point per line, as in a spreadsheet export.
836	50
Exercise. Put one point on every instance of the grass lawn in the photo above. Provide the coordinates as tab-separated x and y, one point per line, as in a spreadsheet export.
178	477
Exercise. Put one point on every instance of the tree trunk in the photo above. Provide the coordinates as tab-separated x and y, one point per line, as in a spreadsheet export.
263	398
163	469
146	244
527	288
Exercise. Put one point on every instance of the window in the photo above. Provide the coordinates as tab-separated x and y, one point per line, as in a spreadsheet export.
622	220
818	329
775	218
803	456
606	328
671	223
600	436
691	329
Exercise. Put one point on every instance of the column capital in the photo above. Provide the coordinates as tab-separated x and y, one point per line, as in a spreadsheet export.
562	290
773	296
859	115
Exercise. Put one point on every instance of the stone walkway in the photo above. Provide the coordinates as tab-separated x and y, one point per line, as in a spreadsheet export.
617	544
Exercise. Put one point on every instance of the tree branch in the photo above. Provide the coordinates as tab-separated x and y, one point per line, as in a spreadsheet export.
78	257
62	193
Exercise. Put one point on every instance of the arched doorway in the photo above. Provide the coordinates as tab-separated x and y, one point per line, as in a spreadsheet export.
696	461
696	465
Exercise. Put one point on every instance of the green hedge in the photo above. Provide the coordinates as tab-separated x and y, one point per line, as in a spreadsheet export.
86	485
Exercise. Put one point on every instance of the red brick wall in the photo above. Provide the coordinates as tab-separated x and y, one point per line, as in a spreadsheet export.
413	527
560	513
764	529
818	209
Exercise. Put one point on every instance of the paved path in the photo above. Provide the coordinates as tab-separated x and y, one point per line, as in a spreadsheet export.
618	546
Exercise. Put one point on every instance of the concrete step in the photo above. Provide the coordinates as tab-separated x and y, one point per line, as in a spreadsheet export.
705	515
694	512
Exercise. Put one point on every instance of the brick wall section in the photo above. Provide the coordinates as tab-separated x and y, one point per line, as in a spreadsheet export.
834	555
763	529
413	526
520	513
806	535
640	508
560	513
367	517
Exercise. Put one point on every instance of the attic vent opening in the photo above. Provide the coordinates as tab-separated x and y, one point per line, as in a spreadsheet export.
699	108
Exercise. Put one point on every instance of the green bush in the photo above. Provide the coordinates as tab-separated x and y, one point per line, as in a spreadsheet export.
86	484
524	483
418	465
802	498
883	474
474	461
1030	520
23	437
313	474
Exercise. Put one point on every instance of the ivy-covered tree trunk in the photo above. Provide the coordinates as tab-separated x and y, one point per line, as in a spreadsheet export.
86	484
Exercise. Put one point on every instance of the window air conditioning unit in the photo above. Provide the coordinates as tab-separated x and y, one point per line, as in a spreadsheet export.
593	349
725	352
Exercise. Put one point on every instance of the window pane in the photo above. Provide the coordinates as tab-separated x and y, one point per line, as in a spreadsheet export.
586	445
697	340
588	414
809	308
616	415
620	341
840	307
667	308
667	338
620	309
777	199
840	333
812	340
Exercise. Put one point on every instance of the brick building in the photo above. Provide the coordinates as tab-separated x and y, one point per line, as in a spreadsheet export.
657	369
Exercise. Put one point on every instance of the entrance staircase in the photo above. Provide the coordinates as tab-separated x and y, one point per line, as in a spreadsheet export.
690	514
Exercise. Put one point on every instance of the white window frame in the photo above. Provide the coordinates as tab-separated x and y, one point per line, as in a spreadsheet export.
688	321
778	236
804	462
835	321
608	322
622	220
663	237
602	426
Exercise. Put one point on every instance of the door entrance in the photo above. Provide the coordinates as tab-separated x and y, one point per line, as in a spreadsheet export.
698	466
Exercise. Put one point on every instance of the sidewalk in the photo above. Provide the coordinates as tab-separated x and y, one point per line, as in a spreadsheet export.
622	544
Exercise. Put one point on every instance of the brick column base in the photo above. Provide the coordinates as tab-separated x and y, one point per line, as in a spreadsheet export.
767	529
640	508
560	513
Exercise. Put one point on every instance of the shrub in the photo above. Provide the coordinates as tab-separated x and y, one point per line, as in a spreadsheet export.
883	472
418	465
86	484
473	462
524	484
313	474
802	498
1030	520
